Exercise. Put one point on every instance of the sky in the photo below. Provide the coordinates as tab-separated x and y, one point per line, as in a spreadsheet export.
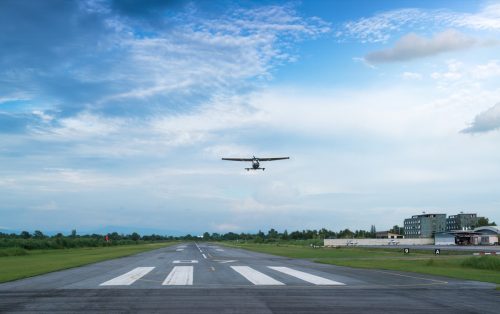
115	114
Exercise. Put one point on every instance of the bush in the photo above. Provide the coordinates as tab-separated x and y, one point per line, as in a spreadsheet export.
13	251
482	262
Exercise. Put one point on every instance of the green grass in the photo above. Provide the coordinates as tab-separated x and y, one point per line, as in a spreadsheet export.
38	262
13	251
454	264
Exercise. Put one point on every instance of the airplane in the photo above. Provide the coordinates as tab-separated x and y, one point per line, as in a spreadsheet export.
256	161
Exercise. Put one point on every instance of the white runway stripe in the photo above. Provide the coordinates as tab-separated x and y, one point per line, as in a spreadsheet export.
255	277
317	280
128	278
180	276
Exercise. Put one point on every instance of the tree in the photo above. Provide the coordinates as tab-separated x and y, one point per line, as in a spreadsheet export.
135	237
483	221
25	235
73	233
285	235
346	233
272	234
38	234
206	236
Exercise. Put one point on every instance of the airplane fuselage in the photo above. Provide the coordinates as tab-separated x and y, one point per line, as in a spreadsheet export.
255	163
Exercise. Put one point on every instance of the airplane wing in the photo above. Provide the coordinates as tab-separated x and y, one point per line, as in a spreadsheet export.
271	159
238	159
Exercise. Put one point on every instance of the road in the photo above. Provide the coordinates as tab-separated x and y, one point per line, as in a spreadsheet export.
207	278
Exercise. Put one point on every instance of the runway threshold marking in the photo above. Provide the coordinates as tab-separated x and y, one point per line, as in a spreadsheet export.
179	276
256	277
128	278
317	280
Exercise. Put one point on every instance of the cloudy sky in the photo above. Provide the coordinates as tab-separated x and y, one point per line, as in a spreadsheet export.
116	113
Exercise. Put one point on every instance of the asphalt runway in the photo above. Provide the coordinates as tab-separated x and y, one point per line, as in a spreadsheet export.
207	278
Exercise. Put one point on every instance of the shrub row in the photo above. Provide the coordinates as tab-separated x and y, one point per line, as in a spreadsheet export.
60	243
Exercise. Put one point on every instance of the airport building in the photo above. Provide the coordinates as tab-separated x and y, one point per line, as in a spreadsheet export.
487	235
424	225
461	222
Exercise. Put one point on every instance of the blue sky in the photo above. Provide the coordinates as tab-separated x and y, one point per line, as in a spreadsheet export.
116	113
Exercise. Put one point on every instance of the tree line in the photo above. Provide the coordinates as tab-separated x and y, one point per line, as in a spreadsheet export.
39	240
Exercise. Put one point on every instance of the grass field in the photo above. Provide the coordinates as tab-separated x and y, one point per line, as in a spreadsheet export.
38	262
454	264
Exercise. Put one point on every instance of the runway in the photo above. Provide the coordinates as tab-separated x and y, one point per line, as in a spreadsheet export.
208	278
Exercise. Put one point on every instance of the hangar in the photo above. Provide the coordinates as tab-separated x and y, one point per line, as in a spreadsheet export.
487	235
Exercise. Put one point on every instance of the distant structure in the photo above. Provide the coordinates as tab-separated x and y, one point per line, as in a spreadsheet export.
461	222
424	225
487	235
388	235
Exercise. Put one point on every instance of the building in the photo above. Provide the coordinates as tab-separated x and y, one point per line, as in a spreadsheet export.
461	222
489	235
425	225
444	238
388	235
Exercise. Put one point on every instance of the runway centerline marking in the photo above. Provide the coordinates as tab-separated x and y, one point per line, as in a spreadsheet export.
198	247
317	280
256	277
180	250
194	261
128	278
179	276
204	256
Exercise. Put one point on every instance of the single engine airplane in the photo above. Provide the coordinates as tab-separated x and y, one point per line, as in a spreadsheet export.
256	161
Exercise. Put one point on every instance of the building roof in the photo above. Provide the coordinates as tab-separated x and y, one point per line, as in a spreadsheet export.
492	229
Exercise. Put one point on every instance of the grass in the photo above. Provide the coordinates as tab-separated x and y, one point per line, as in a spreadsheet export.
455	264
38	262
13	251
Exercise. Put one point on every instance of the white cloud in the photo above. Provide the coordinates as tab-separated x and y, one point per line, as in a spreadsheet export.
353	150
87	125
50	206
488	70
411	76
487	19
486	121
42	115
454	72
381	27
207	55
227	227
413	46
